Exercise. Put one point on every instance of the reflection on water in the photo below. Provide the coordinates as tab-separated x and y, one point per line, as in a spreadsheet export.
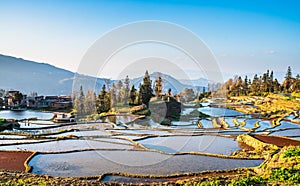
11	137
6	142
288	133
285	125
110	149
92	163
154	132
66	145
207	144
8	114
250	123
219	112
186	111
264	124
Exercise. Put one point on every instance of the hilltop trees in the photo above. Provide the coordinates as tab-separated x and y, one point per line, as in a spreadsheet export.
297	83
123	93
263	84
287	85
126	90
89	102
103	101
133	96
146	89
118	95
79	102
113	96
84	104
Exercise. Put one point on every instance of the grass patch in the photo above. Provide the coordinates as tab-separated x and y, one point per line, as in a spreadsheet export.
2	120
145	112
296	94
291	153
253	180
285	175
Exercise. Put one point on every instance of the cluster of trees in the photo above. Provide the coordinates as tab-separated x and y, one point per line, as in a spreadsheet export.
123	94
262	84
189	94
119	94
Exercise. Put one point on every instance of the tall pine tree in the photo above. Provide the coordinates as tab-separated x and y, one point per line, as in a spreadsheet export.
132	96
103	101
146	89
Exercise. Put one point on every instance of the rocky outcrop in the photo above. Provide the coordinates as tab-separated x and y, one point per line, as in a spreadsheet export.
165	110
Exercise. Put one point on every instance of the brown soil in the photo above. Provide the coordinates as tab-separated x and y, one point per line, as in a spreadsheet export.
277	140
13	161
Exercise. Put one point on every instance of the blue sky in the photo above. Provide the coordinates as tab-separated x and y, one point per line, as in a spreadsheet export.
245	36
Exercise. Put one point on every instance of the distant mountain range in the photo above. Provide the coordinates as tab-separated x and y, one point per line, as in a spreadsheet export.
29	76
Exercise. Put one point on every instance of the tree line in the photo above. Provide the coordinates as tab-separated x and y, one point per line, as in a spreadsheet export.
117	95
123	94
266	83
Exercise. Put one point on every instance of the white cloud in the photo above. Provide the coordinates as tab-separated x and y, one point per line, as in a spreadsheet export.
271	52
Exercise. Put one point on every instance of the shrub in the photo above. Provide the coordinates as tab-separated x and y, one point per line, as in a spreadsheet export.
291	153
2	120
285	174
254	180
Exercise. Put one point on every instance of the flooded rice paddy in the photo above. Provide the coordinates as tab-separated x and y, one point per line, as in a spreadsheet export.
92	163
137	146
207	144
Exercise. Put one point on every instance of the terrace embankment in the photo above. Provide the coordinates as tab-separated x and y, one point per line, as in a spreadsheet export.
273	106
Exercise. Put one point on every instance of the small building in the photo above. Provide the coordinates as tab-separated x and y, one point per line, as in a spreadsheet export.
60	105
51	98
65	99
33	102
63	117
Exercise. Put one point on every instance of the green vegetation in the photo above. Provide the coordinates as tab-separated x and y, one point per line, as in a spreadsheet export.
116	97
2	120
289	175
103	101
253	180
261	86
273	106
119	98
164	122
144	112
145	93
291	153
261	149
204	95
282	169
296	94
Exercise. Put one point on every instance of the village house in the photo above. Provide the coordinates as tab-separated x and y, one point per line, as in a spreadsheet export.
21	100
33	102
10	100
56	102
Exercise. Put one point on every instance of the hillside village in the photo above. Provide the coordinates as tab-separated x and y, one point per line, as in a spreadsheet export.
14	99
